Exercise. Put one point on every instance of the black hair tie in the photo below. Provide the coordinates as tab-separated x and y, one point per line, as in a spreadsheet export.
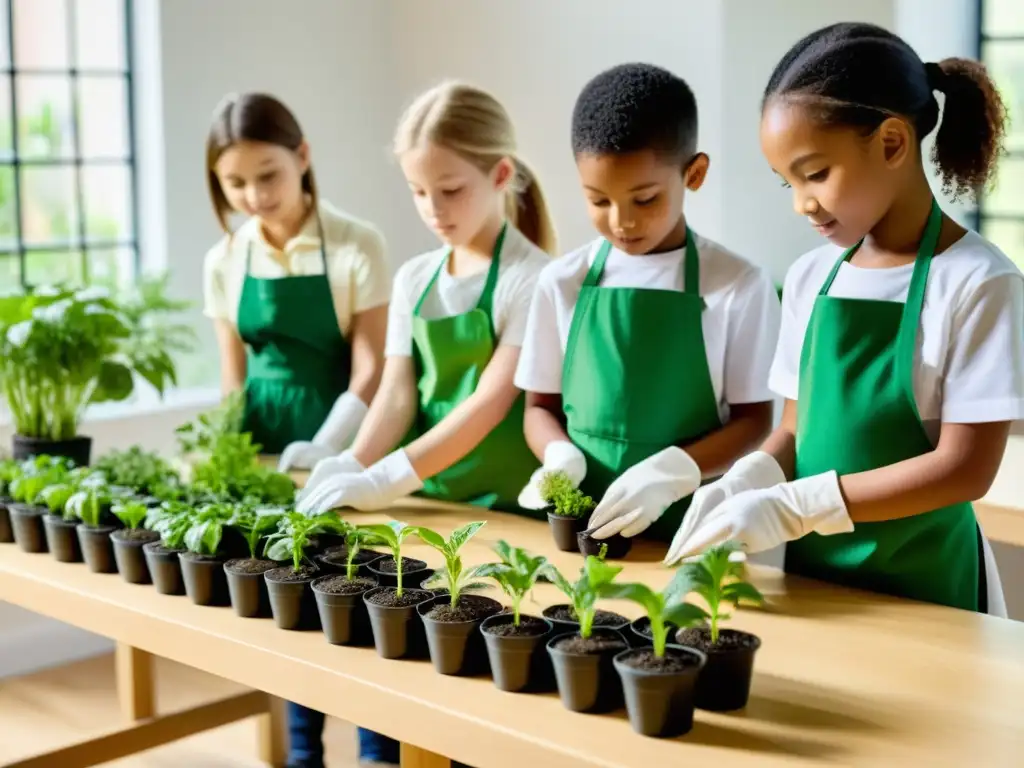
936	76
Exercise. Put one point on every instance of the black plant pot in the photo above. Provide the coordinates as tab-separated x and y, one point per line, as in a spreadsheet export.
660	697
413	571
724	682
27	525
291	600
518	659
76	448
164	568
205	581
639	635
560	616
453	638
247	589
128	555
61	539
564	531
587	681
97	549
398	632
618	546
336	561
343	614
6	534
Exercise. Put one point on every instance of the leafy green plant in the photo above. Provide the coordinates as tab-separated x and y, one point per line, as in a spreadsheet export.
8	471
172	520
583	593
206	529
717	576
55	497
35	474
557	490
93	498
295	532
137	469
255	523
354	541
453	576
391	535
516	574
132	513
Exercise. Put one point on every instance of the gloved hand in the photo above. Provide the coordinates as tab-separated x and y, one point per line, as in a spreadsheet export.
752	472
765	518
559	456
642	493
374	488
335	434
343	464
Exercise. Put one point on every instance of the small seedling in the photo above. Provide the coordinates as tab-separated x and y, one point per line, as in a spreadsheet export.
254	524
294	532
172	521
717	576
453	576
392	535
354	540
594	576
516	574
93	498
8	471
557	490
56	497
132	513
206	528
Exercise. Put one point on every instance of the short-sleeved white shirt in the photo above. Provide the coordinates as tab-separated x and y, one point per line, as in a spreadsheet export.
969	363
740	323
519	264
357	269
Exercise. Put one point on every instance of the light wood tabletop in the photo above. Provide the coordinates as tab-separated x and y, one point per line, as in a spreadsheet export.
842	678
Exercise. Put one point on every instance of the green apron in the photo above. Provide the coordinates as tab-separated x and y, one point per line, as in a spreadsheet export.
856	412
298	362
635	379
451	354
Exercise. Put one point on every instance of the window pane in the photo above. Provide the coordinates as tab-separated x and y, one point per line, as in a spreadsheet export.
8	230
111	266
1007	196
44	117
5	52
48	211
107	197
41	34
1005	61
103	123
10	275
1009	236
6	129
100	34
1003	17
54	267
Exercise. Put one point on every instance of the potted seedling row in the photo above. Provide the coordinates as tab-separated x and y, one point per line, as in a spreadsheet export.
202	562
339	596
8	470
247	589
171	522
397	632
129	541
516	643
26	511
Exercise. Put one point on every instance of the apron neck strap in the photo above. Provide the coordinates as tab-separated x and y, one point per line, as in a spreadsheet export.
486	300
323	248
691	265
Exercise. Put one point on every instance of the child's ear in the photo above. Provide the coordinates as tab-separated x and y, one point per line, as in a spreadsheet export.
895	140
302	152
504	173
696	171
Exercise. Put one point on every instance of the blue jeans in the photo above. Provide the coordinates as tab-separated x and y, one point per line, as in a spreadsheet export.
306	745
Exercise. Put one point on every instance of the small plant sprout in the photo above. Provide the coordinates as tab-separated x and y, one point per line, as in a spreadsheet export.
717	576
295	532
56	497
354	540
516	574
131	513
594	576
206	528
392	535
255	524
557	490
454	577
171	520
92	499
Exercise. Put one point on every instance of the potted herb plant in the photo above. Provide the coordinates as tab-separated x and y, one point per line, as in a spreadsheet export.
171	521
92	504
8	469
129	541
568	509
659	681
26	511
397	632
564	616
291	599
202	562
452	621
247	588
339	596
515	643
389	572
59	525
717	576
584	671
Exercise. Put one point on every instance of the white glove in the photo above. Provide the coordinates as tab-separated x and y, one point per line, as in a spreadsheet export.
343	464
765	518
375	488
642	493
335	434
752	472
559	456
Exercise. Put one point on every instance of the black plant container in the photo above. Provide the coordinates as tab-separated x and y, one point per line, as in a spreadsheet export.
27	525
6	534
61	539
77	448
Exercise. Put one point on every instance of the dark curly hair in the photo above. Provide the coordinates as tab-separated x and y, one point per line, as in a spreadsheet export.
859	74
633	107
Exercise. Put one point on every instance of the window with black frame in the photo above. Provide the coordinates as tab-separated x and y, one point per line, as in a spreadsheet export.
67	154
1001	210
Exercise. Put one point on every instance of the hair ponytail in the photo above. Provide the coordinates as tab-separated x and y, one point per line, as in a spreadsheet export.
527	209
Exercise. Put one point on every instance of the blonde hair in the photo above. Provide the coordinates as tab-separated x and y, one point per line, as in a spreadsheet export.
474	125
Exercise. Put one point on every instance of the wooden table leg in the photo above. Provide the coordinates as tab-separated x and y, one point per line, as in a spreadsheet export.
272	734
414	757
135	690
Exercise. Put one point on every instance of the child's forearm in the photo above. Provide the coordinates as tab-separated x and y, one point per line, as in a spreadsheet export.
543	422
715	452
391	413
781	443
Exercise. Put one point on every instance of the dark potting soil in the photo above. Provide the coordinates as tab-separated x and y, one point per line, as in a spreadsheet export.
249	565
199	558
340	559
728	639
135	535
585	646
339	585
160	549
643	627
470	608
409	564
672	661
528	627
389	597
343	551
288	575
601	618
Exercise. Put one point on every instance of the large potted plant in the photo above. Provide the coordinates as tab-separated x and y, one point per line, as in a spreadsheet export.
61	350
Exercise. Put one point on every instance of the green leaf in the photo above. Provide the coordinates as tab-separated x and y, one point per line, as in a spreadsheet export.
679	587
432	538
212	536
279	550
599	572
559	581
114	383
685	615
461	535
651	601
741	591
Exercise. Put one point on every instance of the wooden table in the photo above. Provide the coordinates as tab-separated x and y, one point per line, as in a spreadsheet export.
843	677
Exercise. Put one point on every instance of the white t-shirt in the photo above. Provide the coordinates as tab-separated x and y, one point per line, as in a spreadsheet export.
520	263
740	323
357	270
969	364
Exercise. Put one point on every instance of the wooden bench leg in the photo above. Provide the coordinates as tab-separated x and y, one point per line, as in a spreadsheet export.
272	734
135	690
414	757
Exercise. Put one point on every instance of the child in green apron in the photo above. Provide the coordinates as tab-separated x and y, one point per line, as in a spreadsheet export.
646	357
298	295
456	323
901	355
